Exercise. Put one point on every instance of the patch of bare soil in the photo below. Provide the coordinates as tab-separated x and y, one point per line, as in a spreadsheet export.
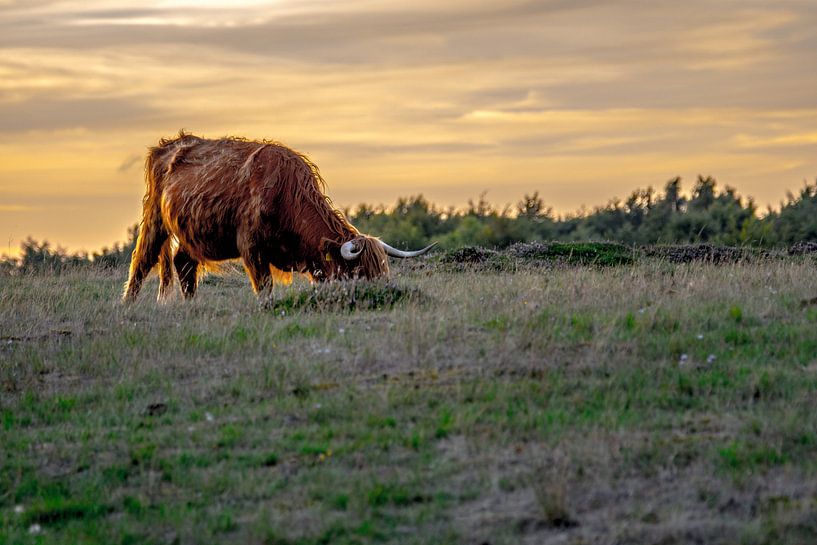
540	494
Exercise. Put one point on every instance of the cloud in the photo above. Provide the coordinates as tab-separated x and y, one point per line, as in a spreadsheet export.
567	54
129	163
10	208
54	113
395	33
808	139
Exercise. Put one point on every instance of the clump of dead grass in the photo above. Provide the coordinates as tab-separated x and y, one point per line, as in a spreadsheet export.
550	488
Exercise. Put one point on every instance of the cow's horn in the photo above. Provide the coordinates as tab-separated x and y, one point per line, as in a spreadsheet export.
394	252
348	250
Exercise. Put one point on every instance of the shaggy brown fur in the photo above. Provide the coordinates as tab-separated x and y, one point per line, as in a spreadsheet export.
233	198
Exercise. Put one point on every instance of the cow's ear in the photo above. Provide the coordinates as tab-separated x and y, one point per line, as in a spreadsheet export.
326	244
330	250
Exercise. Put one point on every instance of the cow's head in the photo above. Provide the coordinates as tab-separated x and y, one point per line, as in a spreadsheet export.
364	257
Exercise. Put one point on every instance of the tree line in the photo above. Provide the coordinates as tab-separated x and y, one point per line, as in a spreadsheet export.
647	217
708	215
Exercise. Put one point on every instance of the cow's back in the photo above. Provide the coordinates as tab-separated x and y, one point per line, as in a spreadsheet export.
211	192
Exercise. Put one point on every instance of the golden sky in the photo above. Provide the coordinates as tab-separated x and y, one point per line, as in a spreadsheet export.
582	100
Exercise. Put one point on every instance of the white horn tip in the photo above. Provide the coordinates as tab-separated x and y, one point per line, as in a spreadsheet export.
394	252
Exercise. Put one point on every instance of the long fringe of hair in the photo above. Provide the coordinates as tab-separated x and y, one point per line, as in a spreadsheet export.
373	260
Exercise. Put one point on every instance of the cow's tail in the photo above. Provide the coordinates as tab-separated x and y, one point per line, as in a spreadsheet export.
152	233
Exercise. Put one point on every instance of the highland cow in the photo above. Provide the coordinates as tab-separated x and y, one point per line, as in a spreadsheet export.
213	200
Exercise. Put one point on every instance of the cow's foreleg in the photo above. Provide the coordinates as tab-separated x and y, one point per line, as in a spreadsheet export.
187	268
259	272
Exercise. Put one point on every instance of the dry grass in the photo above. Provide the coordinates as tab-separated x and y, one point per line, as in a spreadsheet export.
646	403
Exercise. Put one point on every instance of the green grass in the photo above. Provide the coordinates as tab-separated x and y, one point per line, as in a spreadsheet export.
635	402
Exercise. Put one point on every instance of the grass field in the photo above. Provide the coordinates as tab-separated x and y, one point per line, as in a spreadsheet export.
485	402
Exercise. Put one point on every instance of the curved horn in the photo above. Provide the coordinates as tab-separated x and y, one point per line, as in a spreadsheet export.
394	252
349	251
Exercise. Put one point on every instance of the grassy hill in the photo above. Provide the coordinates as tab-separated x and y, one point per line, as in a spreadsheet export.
543	394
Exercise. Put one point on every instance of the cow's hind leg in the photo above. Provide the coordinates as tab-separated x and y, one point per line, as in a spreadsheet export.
166	272
152	237
187	268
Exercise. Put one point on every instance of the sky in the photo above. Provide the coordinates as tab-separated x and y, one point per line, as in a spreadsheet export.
580	100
